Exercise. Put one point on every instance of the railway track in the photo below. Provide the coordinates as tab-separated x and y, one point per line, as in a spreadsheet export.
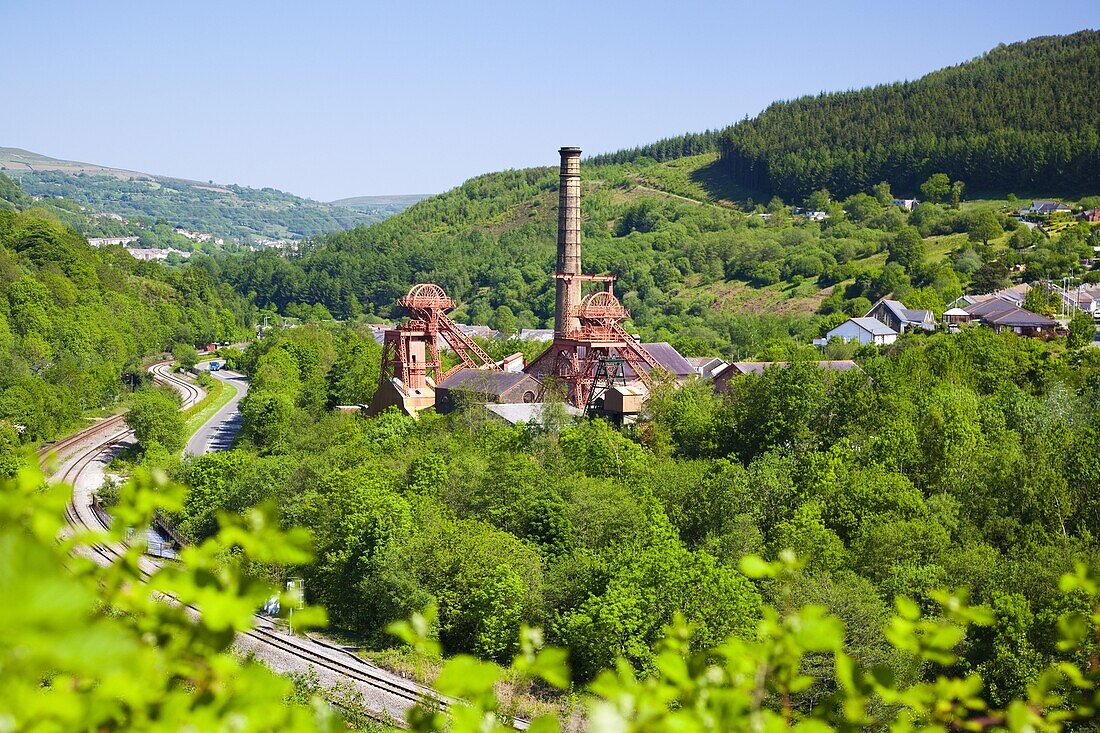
79	453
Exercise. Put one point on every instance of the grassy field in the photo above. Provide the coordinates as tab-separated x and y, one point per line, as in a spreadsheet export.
216	398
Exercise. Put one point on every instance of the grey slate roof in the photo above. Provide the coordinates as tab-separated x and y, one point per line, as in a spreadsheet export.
669	358
483	381
1000	312
874	326
896	308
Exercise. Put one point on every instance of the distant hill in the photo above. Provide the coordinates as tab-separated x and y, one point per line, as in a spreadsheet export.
405	200
381	206
246	214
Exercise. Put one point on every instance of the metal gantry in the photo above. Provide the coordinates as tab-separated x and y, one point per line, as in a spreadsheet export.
411	351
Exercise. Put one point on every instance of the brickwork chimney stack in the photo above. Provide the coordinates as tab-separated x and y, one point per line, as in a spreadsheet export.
569	243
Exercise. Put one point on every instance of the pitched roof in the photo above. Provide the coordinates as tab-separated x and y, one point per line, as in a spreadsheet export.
669	358
999	312
1020	318
919	315
1047	205
990	306
873	326
895	307
483	380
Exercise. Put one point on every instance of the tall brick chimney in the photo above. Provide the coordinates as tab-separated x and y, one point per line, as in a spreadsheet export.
569	243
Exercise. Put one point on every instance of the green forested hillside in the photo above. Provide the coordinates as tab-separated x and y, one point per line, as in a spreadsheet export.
1024	117
695	266
228	211
73	319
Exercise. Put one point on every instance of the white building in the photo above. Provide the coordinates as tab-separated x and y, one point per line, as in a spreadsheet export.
907	204
535	334
111	241
194	236
1045	208
156	254
865	331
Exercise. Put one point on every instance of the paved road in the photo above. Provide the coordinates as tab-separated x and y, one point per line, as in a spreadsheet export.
218	432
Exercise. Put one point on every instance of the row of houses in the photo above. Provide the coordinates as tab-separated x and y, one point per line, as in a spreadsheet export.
1002	311
112	241
1047	209
198	236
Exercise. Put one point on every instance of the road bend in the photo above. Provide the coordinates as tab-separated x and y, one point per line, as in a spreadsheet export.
81	461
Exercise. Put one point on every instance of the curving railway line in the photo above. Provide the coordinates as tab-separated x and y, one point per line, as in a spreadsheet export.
81	459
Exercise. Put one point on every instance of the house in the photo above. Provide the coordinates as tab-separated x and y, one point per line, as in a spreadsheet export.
1015	295
865	331
156	254
743	368
895	315
817	215
1045	208
907	204
1085	297
1092	216
111	241
482	386
536	334
706	367
1002	315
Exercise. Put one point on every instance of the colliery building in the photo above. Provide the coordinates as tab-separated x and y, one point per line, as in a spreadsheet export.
593	361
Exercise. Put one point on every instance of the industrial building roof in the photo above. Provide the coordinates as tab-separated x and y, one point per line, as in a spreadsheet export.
669	358
483	380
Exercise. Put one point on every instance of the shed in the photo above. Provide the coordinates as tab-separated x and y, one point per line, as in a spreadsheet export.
624	399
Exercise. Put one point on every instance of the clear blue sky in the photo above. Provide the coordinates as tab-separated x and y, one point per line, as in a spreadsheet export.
333	99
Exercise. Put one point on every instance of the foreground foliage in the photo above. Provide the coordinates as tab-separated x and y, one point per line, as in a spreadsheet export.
86	647
771	681
958	460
